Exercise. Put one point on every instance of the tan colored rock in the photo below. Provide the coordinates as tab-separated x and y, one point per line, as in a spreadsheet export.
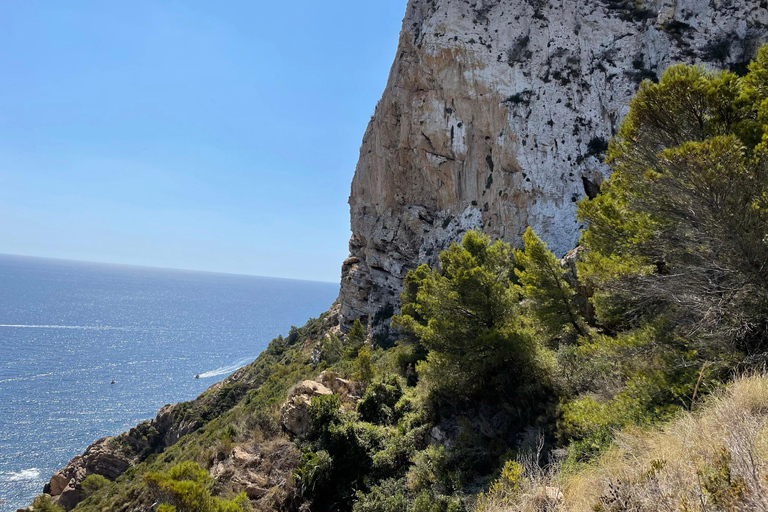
554	494
346	389
58	483
254	492
494	116
295	411
103	457
310	388
243	457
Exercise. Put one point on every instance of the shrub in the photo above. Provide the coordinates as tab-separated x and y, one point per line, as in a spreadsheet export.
389	496
506	489
355	339
43	503
187	488
93	483
331	349
429	471
324	413
396	451
378	402
364	370
426	502
313	472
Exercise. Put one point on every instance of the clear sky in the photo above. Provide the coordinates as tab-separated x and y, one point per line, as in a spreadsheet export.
217	136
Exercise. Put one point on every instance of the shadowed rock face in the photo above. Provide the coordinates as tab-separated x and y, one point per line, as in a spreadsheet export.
496	116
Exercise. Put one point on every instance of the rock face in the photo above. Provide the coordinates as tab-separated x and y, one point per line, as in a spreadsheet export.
496	116
260	469
104	457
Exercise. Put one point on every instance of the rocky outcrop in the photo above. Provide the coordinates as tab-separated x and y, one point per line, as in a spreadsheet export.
496	116
348	390
111	456
295	411
172	422
261	470
105	457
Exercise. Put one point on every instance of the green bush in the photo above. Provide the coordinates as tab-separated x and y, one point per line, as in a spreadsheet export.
389	496
331	350
323	413
43	503
356	338
397	449
313	472
467	316
378	402
93	483
426	502
429	470
186	487
364	370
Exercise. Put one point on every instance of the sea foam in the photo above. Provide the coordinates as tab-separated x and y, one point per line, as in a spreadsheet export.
20	476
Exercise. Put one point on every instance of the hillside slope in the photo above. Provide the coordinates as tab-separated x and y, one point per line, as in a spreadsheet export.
714	458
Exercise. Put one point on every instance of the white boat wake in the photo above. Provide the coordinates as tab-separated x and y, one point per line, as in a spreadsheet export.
224	370
80	327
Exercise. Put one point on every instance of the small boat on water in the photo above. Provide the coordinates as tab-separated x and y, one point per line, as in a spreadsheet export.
113	381
197	376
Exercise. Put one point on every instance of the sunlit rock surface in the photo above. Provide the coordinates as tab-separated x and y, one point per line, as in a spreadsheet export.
496	115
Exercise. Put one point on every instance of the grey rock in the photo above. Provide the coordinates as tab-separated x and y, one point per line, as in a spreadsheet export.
495	116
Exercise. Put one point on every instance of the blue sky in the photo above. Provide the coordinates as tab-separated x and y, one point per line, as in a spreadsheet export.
217	136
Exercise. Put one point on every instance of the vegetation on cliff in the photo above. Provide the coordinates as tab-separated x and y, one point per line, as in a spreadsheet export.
522	382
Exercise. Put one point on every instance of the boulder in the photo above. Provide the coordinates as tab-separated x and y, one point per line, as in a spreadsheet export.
295	411
342	387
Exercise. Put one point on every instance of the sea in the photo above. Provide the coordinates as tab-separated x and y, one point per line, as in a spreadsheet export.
89	350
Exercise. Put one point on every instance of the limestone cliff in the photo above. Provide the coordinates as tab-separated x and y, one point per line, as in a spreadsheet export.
496	115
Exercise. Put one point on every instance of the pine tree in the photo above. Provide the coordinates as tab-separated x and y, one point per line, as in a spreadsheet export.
331	349
356	338
467	316
549	297
680	229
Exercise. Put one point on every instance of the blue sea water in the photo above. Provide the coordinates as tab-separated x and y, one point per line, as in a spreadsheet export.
67	329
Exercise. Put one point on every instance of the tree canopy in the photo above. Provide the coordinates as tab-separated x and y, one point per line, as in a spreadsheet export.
679	229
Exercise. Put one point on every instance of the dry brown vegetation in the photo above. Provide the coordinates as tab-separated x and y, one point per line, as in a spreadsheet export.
711	459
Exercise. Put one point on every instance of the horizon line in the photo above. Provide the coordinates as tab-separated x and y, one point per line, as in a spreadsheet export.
151	267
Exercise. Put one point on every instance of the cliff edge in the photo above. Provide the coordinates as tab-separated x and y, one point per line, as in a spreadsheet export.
496	115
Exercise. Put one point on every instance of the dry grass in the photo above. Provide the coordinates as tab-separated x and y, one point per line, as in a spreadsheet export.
714	459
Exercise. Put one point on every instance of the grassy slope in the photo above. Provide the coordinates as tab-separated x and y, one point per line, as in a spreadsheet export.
714	458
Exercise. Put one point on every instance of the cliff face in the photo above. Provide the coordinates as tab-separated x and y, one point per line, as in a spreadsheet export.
496	116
